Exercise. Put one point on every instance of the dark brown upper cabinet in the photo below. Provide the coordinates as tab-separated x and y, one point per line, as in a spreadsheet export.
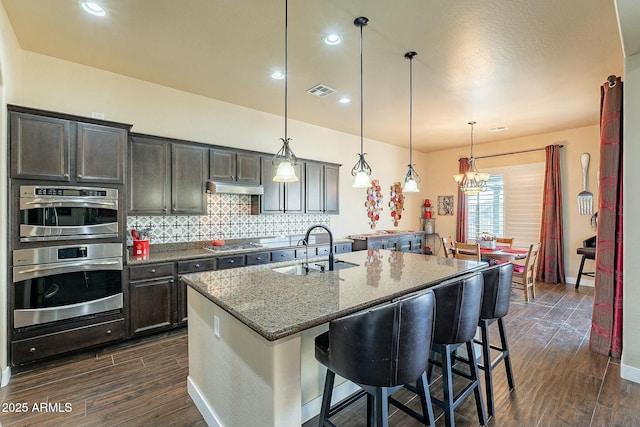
234	166
189	168
322	188
166	176
281	197
57	147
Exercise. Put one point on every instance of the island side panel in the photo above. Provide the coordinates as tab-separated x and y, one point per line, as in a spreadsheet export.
241	378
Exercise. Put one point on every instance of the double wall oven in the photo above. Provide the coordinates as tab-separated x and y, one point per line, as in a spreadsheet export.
67	259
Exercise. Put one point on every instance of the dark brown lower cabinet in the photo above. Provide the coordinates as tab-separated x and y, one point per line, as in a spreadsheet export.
42	346
152	298
152	304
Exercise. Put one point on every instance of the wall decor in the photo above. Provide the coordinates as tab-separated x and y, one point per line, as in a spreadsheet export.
374	203
396	203
445	205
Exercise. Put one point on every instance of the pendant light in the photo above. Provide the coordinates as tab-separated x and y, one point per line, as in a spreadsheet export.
361	170
472	182
412	178
284	158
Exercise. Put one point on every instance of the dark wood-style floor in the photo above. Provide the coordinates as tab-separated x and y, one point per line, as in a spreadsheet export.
559	382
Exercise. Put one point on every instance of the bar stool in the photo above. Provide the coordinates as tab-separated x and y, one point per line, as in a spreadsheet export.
380	350
458	305
495	305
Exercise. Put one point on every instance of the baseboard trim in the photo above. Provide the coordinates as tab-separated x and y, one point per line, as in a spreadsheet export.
5	376
630	373
312	407
202	404
589	283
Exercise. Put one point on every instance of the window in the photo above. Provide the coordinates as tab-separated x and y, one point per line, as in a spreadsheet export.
511	206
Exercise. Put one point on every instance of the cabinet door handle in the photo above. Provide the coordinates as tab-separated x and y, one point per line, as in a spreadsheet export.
109	332
66	175
32	350
258	258
231	261
171	280
153	270
79	175
197	266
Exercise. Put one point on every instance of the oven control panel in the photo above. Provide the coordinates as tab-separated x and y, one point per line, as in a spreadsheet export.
72	252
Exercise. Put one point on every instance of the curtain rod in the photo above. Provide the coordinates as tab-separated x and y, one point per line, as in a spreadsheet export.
514	152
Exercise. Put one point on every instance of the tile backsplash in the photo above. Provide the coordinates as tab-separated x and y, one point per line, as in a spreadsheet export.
228	217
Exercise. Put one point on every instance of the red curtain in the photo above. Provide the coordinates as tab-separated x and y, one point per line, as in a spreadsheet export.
462	214
551	256
606	322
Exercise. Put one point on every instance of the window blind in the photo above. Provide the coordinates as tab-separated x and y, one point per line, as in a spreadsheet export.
511	206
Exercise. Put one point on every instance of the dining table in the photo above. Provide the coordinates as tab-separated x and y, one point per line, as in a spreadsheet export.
503	253
500	253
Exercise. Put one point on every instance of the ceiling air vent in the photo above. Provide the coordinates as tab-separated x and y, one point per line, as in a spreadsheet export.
321	90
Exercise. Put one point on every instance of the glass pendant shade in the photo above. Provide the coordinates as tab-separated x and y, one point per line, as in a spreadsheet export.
362	180
410	186
285	173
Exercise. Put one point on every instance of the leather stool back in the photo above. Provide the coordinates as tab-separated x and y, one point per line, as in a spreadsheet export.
459	302
497	291
380	350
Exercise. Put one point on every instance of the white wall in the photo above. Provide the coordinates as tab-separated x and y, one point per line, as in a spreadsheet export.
630	363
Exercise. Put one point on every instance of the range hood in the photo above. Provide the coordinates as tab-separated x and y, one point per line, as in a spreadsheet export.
234	188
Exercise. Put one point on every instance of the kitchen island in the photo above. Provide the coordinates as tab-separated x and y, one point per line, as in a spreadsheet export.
252	330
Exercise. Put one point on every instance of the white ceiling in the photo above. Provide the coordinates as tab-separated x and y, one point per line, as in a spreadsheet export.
533	66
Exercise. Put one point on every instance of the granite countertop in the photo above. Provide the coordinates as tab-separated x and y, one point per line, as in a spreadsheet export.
194	250
276	305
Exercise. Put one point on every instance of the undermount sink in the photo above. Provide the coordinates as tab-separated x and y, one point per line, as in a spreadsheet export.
314	267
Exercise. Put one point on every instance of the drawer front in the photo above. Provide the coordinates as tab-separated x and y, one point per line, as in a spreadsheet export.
323	250
61	342
283	255
258	258
231	261
416	245
196	266
151	271
375	244
342	248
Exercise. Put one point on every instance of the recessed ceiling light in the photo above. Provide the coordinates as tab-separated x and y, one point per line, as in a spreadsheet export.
344	100
277	75
93	8
332	39
498	129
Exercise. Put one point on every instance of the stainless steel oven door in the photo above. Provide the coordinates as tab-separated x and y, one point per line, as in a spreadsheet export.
65	213
65	282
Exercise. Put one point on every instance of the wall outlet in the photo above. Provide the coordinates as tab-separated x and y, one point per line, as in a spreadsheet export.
216	326
97	115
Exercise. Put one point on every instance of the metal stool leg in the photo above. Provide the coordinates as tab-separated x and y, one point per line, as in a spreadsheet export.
580	271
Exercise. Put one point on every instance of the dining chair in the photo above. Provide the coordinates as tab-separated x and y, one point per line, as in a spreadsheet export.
470	251
525	275
447	246
505	241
